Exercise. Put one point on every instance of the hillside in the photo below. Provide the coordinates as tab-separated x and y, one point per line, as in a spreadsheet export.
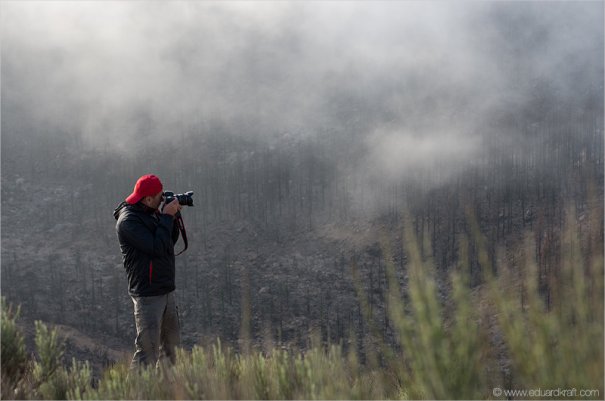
475	345
409	193
62	263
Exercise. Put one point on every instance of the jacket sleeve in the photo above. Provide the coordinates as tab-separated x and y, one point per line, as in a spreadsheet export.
138	235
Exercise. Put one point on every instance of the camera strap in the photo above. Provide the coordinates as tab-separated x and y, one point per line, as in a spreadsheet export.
181	225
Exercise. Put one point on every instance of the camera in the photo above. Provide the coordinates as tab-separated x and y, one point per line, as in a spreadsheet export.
184	199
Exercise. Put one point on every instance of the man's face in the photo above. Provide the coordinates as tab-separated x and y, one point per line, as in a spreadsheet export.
154	201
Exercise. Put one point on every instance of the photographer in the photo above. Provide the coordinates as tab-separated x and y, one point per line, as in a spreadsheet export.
147	237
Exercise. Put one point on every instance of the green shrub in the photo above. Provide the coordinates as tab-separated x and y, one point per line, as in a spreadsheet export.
13	353
442	351
554	343
14	356
50	352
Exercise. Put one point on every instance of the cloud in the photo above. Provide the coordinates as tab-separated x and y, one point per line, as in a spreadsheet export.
401	75
393	155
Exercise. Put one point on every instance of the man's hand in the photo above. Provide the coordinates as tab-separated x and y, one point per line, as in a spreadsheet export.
172	208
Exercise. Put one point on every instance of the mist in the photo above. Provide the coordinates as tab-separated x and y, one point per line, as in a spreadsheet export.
318	137
418	82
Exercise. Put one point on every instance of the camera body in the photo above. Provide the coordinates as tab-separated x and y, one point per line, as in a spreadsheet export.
184	199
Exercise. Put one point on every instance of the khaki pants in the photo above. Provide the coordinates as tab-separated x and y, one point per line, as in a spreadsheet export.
157	322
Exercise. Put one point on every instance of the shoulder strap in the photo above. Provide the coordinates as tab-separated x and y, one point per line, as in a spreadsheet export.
181	225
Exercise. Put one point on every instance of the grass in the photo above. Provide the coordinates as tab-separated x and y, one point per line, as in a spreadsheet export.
500	334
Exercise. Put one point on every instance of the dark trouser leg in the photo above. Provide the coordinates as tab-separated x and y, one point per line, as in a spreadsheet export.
170	331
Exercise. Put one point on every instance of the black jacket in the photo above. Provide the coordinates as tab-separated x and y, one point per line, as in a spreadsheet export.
147	241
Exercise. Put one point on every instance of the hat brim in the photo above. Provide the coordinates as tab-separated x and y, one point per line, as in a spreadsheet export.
133	198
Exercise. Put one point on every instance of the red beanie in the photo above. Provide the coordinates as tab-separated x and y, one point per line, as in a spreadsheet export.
147	185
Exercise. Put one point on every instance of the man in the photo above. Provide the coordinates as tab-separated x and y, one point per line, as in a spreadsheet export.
147	237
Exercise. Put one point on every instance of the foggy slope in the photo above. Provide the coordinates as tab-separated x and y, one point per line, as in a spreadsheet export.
306	131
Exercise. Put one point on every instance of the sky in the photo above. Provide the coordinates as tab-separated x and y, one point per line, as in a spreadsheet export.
417	81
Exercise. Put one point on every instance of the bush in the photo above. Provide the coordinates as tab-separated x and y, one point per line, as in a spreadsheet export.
50	352
45	378
13	354
557	342
443	350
